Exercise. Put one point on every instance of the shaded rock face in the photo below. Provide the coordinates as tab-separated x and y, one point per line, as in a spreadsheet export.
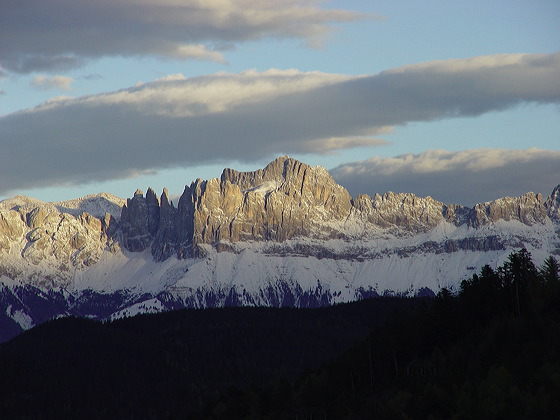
140	220
552	204
166	237
289	199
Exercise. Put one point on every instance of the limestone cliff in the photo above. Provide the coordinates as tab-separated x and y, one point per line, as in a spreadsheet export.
289	199
286	200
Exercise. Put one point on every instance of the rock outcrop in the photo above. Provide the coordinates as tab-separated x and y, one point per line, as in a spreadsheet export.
528	209
140	220
407	211
42	235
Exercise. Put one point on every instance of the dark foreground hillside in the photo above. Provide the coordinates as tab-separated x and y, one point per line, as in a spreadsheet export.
171	365
490	351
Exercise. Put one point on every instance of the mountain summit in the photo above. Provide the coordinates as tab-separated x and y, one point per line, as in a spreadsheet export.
284	235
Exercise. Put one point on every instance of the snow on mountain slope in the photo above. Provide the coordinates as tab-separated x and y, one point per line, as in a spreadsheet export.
251	275
96	204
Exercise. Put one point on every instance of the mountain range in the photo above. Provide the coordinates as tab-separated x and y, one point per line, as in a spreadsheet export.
284	235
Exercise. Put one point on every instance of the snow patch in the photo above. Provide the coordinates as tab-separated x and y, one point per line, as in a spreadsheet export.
148	306
20	317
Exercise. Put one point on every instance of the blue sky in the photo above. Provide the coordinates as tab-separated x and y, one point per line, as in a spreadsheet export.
472	92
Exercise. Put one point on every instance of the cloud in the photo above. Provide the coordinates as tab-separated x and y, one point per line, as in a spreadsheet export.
56	82
177	121
93	76
464	177
36	35
2	92
197	52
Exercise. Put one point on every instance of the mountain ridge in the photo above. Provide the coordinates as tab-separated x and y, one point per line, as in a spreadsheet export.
284	235
288	199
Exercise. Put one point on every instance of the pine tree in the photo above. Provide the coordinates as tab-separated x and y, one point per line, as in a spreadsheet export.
550	270
520	276
550	276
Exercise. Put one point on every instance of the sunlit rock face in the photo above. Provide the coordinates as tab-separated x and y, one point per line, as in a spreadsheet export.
407	212
528	209
289	199
286	199
38	238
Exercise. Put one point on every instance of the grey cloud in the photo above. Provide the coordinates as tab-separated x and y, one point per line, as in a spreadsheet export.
28	63
251	116
93	76
38	35
465	177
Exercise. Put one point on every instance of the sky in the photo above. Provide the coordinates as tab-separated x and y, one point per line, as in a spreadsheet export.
452	99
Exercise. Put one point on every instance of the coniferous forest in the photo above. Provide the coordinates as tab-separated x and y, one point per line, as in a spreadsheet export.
490	350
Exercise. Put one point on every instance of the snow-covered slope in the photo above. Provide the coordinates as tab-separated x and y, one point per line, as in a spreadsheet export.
286	235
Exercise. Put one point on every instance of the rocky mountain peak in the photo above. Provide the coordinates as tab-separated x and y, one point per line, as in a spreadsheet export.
278	172
137	222
552	204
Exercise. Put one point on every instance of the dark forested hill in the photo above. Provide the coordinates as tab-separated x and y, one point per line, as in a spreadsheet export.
172	364
490	352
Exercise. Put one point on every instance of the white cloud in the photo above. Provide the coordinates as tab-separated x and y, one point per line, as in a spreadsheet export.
333	144
197	52
177	121
455	177
56	82
176	96
72	31
171	77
